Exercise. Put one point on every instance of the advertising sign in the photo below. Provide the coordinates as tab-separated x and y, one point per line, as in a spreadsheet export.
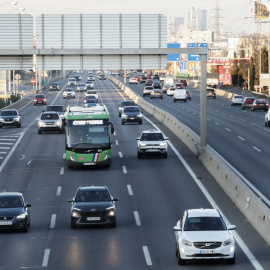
173	57
183	65
227	79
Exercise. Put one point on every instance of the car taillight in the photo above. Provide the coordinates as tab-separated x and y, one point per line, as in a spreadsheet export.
35	100
266	104
255	104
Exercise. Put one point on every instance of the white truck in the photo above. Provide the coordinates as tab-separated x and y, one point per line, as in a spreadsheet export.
212	82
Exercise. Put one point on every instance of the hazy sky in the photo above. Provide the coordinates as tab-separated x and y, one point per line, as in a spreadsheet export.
233	12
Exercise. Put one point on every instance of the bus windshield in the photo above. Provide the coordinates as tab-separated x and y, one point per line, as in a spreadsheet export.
92	136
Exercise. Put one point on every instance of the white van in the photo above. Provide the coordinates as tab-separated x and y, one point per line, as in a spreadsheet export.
180	94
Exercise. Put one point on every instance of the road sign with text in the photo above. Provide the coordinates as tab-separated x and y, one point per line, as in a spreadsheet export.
196	57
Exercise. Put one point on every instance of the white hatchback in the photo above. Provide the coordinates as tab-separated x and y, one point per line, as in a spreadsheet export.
203	234
133	80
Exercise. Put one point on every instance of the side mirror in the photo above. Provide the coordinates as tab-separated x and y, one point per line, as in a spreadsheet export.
115	199
28	205
177	228
141	111
138	138
43	110
112	127
71	200
232	227
166	138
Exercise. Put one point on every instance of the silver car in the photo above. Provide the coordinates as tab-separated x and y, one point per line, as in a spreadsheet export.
68	93
89	84
50	121
81	87
237	100
147	90
152	142
10	118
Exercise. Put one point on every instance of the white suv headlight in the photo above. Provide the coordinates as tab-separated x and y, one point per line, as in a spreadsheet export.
228	242
21	216
163	144
186	243
142	144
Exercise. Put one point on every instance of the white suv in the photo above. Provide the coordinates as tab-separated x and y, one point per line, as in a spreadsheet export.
267	118
72	81
152	142
203	234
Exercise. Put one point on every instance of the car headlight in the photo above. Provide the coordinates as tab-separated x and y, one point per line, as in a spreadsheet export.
75	214
124	115
21	216
44	99
163	144
35	100
139	115
228	242
41	124
186	243
72	157
58	123
16	119
142	144
1	119
111	214
57	87
106	155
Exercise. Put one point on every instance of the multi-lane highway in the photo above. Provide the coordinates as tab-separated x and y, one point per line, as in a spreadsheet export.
152	192
239	136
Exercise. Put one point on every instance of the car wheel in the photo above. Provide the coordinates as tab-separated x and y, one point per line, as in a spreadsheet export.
70	166
165	155
60	131
1	126
119	114
113	225
72	225
64	97
268	123
19	125
214	97
252	108
176	250
123	123
180	260
151	98
174	100
232	260
243	108
140	123
25	229
232	104
185	100
107	166
139	155
143	95
39	131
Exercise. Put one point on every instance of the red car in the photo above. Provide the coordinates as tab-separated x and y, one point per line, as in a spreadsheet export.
137	77
149	77
184	82
40	99
149	82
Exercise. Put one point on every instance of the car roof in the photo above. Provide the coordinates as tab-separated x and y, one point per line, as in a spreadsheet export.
2	194
151	131
9	110
203	213
50	112
93	188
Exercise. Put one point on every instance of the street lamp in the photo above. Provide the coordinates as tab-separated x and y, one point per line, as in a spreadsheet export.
19	9
6	3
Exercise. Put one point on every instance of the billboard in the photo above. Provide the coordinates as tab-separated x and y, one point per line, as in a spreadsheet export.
261	11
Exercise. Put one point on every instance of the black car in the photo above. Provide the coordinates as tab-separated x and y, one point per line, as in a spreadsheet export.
10	118
14	212
156	77
102	77
149	82
54	86
131	114
247	102
143	79
124	104
156	85
77	77
93	205
259	104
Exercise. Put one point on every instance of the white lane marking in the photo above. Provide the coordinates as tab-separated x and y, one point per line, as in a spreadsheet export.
120	155
124	169
23	157
194	113
1	157
129	190
257	149
53	220
116	142
46	257
64	156
4	147
241	138
7	139
3	153
228	129
114	133
62	170
242	120
147	255
10	136
232	116
29	162
5	143
224	113
137	218
217	124
58	191
238	239
208	120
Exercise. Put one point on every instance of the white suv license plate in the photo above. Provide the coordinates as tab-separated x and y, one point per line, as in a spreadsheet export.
152	150
93	218
206	251
6	223
89	163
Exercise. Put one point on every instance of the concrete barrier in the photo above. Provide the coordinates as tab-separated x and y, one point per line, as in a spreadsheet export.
256	212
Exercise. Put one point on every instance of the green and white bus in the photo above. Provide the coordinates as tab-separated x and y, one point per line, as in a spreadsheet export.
88	136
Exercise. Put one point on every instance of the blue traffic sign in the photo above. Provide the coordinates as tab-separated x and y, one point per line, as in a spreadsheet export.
196	57
183	65
173	57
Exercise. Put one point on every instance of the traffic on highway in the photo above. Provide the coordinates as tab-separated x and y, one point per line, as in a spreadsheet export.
108	186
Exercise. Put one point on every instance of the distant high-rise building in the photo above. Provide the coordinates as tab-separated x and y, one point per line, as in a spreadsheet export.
197	19
178	22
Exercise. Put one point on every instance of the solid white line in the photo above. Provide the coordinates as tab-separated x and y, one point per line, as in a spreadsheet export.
1	157
257	149
241	138
7	139
217	124
58	192
147	255
239	240
53	219
137	218
129	190
46	257
4	147
3	153
10	136
64	156
208	120
232	116
6	143
62	170
114	133
124	169
116	142
228	129
120	155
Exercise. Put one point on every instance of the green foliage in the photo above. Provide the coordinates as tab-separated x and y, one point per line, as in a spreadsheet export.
252	74
12	99
235	70
264	60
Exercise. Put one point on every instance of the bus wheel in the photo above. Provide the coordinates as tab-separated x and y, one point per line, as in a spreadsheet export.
107	166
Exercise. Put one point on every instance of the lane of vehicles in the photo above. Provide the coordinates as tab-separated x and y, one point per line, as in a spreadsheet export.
9	118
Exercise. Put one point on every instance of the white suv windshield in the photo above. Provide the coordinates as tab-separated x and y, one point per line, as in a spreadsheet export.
204	224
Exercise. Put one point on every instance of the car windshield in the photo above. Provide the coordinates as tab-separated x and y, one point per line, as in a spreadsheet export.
129	103
92	92
49	116
81	84
204	224
8	113
11	202
238	97
91	101
39	96
54	84
131	109
152	137
68	90
55	109
92	196
149	88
